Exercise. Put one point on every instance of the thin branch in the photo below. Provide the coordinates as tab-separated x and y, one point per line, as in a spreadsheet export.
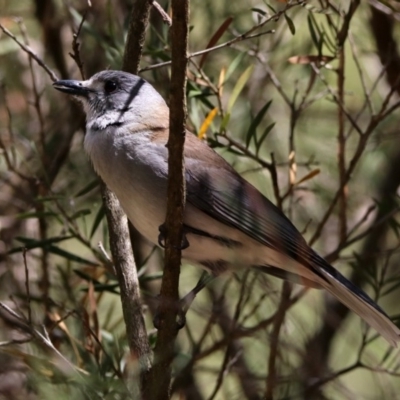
274	341
245	36
28	50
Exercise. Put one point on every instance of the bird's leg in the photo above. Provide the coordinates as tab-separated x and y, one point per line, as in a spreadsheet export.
163	233
185	302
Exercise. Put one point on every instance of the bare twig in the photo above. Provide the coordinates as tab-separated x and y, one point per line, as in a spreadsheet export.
166	18
28	50
245	36
76	56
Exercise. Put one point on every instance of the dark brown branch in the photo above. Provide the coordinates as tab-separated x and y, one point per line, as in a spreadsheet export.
136	35
284	304
164	351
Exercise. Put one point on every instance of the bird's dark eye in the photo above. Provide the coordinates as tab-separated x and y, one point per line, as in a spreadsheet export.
110	86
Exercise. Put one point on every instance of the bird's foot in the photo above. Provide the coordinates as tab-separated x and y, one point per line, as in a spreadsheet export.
180	318
184	304
163	233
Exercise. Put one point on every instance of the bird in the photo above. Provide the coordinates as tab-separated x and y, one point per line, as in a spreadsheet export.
228	224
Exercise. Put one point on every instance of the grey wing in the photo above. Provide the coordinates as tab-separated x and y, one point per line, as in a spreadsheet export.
224	195
227	197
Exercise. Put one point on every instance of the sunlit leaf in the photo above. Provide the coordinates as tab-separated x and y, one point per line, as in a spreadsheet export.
309	176
239	87
308	59
210	117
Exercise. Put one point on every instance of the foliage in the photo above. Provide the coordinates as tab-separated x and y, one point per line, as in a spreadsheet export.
302	99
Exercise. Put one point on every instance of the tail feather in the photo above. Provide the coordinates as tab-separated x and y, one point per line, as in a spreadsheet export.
358	301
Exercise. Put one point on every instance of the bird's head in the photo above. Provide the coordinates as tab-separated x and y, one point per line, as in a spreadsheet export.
116	97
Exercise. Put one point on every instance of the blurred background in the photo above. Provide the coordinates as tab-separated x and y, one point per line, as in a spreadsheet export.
303	100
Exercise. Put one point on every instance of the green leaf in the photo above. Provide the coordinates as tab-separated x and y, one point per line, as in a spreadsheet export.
81	213
36	214
312	30
151	277
30	243
90	186
290	24
256	121
234	64
267	130
70	256
239	87
99	216
259	11
224	122
270	7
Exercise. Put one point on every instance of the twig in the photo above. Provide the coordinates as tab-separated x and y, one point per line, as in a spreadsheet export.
209	50
245	36
274	341
28	50
28	294
76	55
166	18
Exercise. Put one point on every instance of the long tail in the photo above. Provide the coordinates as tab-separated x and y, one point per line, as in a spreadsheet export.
358	301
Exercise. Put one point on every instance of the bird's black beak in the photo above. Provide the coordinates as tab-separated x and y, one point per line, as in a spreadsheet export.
75	88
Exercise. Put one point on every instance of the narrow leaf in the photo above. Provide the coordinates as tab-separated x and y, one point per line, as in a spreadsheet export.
256	121
309	176
81	213
234	64
217	35
210	117
90	186
267	130
259	11
313	33
290	24
308	59
239	87
69	256
225	122
99	216
36	214
33	243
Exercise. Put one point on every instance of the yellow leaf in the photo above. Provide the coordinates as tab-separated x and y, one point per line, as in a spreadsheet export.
221	81
211	115
309	176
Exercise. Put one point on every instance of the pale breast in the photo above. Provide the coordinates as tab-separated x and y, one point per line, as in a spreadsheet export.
134	169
